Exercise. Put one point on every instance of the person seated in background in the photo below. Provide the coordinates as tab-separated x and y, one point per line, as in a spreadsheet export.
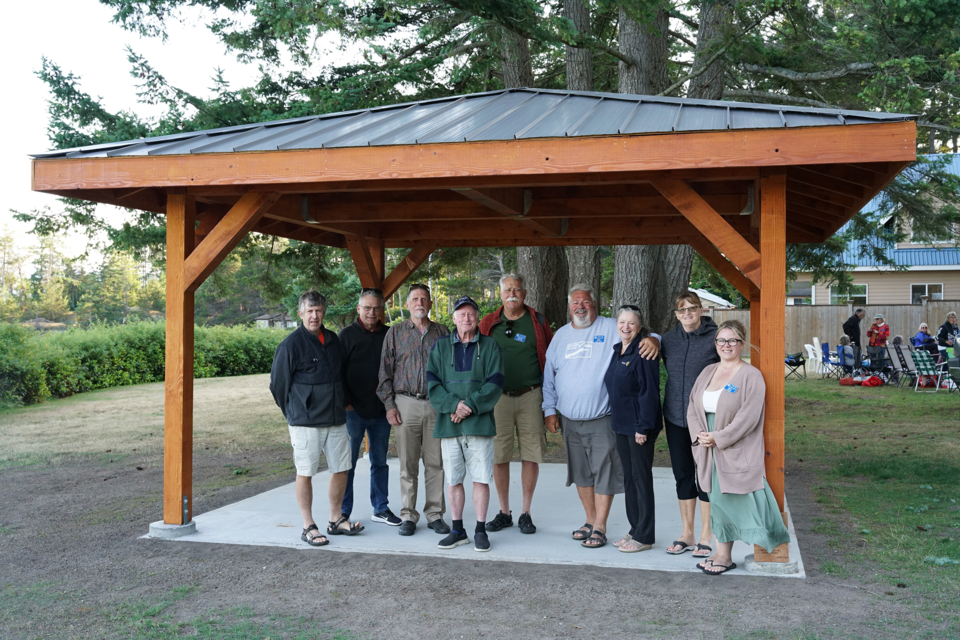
923	337
845	354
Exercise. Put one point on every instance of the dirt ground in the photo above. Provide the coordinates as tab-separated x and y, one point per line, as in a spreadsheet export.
72	565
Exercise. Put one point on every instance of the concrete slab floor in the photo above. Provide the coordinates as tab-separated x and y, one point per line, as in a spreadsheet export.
273	519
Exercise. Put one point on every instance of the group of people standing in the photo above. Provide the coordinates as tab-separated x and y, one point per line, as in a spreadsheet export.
463	401
879	334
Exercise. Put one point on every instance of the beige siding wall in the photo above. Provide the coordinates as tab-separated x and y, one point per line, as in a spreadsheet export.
825	322
893	287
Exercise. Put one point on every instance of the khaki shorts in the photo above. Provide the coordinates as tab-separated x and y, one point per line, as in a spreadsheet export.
473	453
308	442
520	419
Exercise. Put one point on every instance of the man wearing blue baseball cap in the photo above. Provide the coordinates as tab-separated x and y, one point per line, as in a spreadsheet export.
464	382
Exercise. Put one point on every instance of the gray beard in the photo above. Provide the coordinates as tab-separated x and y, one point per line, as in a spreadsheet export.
420	314
582	324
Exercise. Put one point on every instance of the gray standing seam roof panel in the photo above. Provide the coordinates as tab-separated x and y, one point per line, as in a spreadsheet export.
494	115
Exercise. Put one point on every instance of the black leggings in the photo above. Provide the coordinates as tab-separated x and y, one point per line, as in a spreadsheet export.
681	459
637	462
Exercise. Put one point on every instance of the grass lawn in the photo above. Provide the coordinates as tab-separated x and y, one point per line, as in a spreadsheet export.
887	468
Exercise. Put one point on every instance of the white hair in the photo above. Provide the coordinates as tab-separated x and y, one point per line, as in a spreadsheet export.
586	288
513	276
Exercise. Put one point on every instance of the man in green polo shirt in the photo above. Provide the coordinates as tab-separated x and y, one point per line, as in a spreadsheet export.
523	335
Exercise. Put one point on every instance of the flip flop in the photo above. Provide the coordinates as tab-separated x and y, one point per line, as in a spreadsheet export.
730	567
702	547
583	532
686	547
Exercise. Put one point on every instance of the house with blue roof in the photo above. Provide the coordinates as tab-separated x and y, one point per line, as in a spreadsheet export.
933	270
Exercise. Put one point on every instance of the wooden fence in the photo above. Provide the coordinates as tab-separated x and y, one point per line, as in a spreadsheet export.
804	322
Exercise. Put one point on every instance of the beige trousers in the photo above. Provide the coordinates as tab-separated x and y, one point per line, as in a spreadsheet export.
415	441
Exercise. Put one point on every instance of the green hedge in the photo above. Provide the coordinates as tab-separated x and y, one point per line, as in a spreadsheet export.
34	367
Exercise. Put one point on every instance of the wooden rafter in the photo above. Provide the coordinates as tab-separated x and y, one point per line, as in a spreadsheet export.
713	226
363	261
709	253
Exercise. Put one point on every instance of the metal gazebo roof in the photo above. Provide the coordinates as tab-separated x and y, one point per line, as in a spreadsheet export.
510	114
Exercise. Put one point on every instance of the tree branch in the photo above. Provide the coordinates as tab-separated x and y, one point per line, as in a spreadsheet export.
682	38
797	76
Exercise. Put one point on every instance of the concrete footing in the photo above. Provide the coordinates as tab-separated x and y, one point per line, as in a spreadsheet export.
770	568
161	529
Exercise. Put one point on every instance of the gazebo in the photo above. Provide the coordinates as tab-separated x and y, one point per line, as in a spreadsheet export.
517	167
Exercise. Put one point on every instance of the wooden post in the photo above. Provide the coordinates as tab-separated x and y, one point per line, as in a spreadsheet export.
178	380
772	331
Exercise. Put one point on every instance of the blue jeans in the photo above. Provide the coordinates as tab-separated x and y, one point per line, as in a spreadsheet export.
378	431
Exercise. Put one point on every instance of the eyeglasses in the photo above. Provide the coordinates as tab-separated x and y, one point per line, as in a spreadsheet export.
732	342
685	310
368	309
509	330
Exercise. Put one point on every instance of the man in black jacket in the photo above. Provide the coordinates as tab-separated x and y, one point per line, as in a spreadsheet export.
852	327
306	385
362	343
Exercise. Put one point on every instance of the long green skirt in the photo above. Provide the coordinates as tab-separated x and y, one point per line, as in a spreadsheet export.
751	517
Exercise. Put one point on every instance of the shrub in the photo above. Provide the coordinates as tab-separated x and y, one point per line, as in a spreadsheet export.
34	367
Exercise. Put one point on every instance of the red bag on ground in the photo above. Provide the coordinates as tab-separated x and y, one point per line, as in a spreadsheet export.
848	382
872	381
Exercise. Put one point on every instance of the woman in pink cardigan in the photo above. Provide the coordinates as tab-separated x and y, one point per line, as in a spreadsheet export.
725	419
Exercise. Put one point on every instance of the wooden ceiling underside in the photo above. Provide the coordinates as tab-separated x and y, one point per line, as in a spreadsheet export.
498	205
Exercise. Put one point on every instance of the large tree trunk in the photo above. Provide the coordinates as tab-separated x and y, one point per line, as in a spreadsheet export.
544	268
648	276
584	261
716	19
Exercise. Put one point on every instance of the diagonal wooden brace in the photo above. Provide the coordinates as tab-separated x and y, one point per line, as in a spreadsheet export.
225	236
726	268
363	261
712	225
418	254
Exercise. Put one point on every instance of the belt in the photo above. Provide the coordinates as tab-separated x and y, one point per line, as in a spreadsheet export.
520	392
418	396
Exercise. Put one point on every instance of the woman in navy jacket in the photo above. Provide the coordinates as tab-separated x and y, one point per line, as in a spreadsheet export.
634	387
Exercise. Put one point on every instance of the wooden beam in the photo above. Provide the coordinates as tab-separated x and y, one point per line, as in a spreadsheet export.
709	253
773	201
225	236
880	142
363	262
712	225
418	254
513	202
178	372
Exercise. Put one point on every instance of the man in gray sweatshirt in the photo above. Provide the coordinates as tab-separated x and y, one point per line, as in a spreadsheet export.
576	401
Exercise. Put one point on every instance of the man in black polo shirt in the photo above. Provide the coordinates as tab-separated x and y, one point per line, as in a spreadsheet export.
362	343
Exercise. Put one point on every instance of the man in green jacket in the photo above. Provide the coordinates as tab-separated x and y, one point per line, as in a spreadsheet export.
464	382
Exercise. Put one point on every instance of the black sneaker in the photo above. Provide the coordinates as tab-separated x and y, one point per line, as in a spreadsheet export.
481	542
408	528
386	516
501	521
439	526
455	539
525	524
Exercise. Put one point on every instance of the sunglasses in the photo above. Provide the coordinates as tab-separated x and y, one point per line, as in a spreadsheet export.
509	330
684	310
419	285
367	290
629	307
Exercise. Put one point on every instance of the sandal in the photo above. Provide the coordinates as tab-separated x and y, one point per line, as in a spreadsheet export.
312	538
599	536
622	541
583	532
333	528
723	568
634	546
702	547
684	547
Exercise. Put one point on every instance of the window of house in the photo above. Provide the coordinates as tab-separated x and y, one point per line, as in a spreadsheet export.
935	291
858	293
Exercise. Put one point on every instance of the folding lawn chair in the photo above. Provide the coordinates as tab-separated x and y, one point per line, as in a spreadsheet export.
925	369
901	372
830	365
796	364
953	366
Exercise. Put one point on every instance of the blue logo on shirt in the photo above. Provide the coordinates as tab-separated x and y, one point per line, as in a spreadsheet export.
598	338
520	337
731	388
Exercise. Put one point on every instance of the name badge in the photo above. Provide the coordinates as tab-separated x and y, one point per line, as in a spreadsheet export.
598	338
731	388
520	337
